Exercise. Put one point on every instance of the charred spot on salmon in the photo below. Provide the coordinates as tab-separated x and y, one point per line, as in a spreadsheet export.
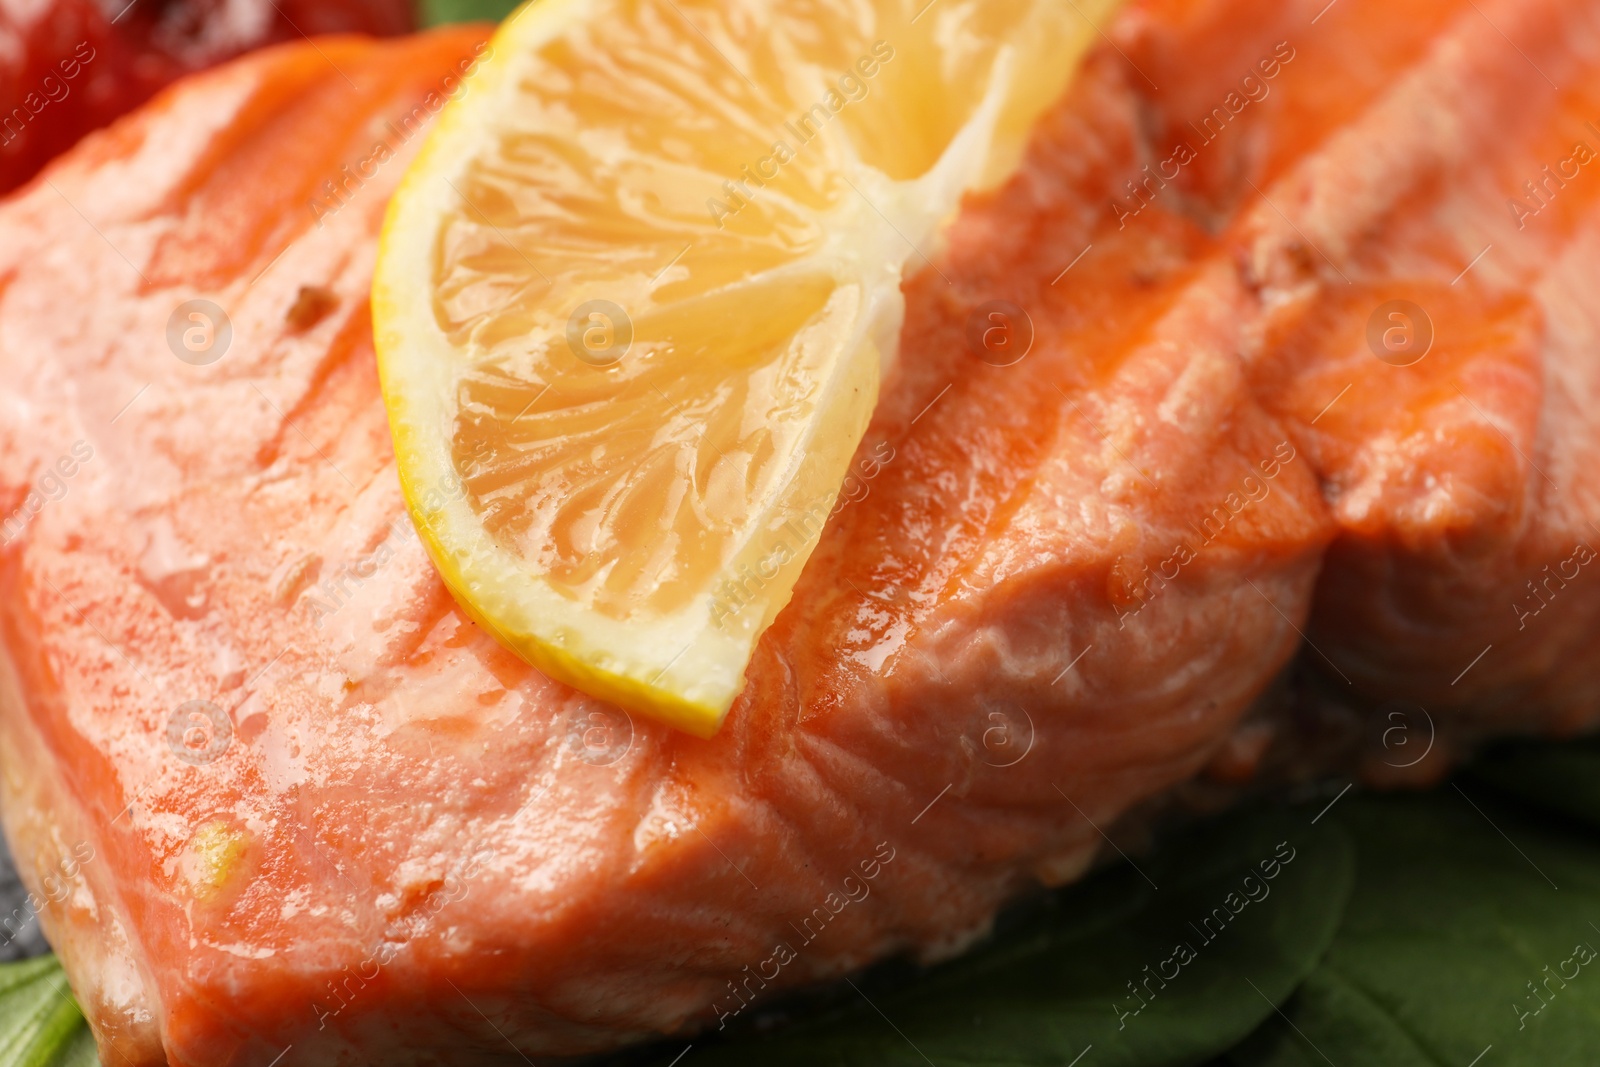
311	305
1301	258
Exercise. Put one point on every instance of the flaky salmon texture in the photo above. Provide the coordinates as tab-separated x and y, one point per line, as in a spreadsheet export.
1313	356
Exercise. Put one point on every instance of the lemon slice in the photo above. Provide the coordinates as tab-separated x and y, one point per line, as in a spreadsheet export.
635	296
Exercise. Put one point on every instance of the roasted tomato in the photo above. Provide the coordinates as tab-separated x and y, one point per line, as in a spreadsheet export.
71	66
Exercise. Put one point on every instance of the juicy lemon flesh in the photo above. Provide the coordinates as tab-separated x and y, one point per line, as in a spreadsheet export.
634	299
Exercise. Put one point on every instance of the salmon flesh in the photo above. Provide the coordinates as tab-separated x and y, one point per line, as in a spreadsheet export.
1311	362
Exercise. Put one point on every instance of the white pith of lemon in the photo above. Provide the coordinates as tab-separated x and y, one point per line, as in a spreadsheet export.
635	296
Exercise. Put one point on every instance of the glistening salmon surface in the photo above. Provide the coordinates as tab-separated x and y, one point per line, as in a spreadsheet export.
328	812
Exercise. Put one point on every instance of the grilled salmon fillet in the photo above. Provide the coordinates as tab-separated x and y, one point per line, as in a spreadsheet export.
1408	204
327	813
1461	578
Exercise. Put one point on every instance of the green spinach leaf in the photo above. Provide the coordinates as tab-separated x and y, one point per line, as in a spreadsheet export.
439	12
40	1025
1457	944
1561	777
1146	977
